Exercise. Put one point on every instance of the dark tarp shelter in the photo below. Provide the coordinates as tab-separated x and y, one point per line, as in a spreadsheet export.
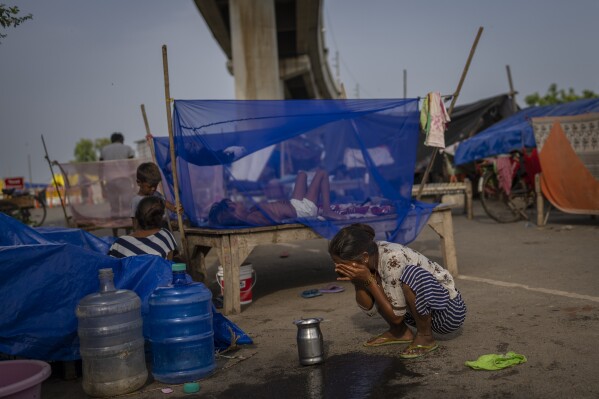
516	132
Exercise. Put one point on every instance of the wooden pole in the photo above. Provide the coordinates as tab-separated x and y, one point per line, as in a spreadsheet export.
150	141
62	203
512	92
147	125
169	120
453	101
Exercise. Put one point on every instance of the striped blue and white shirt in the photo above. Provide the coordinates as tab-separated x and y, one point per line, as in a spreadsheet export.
160	243
432	284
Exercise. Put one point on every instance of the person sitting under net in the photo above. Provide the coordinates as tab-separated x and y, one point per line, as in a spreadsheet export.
301	205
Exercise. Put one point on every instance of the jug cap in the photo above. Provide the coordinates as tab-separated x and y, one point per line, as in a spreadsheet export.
107	272
179	267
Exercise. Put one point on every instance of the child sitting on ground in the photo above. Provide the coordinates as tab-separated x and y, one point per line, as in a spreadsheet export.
150	237
301	205
148	178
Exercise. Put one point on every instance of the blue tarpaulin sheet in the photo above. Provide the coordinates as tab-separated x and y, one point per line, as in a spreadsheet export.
515	132
47	271
368	148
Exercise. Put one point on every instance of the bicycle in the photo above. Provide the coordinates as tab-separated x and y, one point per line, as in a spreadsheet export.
506	185
21	205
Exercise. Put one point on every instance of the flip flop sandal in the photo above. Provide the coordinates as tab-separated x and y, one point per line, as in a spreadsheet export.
415	351
310	293
331	289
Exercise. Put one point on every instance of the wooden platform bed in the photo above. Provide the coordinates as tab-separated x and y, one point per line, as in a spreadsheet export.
233	246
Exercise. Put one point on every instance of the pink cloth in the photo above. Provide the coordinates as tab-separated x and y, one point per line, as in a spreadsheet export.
505	173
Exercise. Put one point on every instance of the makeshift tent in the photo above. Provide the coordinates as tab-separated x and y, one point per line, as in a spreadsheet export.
368	147
466	121
516	132
569	155
99	194
47	271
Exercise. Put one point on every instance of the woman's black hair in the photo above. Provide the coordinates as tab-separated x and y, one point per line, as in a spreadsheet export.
352	241
150	212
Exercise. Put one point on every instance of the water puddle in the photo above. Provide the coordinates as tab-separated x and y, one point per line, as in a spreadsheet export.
350	376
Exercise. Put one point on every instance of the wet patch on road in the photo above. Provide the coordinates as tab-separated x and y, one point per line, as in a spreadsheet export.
352	376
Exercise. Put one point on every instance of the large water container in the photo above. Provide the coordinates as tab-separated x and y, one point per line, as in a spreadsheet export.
180	330
112	343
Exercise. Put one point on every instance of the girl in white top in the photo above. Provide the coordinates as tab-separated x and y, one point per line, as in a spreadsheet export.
400	284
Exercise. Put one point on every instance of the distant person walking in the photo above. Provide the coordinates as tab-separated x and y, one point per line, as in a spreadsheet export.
118	181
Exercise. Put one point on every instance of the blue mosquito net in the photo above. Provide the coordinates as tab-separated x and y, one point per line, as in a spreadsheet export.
250	151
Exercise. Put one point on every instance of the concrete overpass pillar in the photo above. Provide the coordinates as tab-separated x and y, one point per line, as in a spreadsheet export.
254	50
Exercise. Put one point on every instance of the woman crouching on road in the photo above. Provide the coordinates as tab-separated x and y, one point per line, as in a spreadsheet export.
402	285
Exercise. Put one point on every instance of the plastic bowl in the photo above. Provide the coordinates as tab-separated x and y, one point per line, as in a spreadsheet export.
22	379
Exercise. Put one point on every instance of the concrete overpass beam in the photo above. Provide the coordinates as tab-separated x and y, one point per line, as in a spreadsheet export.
254	50
294	67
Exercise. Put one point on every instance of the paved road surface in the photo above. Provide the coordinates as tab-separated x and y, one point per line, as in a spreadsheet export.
534	291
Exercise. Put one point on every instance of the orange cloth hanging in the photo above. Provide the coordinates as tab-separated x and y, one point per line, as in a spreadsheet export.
565	181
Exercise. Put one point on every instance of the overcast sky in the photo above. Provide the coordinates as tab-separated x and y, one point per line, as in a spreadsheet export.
81	69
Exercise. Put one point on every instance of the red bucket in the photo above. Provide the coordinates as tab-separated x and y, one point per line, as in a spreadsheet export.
247	280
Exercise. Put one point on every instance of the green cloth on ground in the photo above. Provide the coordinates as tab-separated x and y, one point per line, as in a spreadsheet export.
496	362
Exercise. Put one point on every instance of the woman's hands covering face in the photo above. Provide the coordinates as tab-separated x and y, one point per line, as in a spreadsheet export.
352	271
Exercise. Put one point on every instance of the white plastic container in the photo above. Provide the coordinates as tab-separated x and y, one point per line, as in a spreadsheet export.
112	343
247	281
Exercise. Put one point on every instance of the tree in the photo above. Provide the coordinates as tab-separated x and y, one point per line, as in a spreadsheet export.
8	17
85	151
555	96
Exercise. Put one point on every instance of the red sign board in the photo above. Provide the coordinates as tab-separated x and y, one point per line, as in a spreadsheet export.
14	182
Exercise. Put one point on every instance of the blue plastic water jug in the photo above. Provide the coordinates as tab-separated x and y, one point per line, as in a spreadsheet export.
180	330
112	344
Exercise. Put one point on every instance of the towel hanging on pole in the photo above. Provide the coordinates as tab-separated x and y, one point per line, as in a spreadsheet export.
434	119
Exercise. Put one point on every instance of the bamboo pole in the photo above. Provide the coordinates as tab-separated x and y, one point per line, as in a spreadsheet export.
146	124
150	141
512	92
453	101
169	120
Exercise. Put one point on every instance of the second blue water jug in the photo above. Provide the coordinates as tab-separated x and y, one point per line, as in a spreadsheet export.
180	330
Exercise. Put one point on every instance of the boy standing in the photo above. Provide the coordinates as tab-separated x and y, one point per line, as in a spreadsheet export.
148	178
